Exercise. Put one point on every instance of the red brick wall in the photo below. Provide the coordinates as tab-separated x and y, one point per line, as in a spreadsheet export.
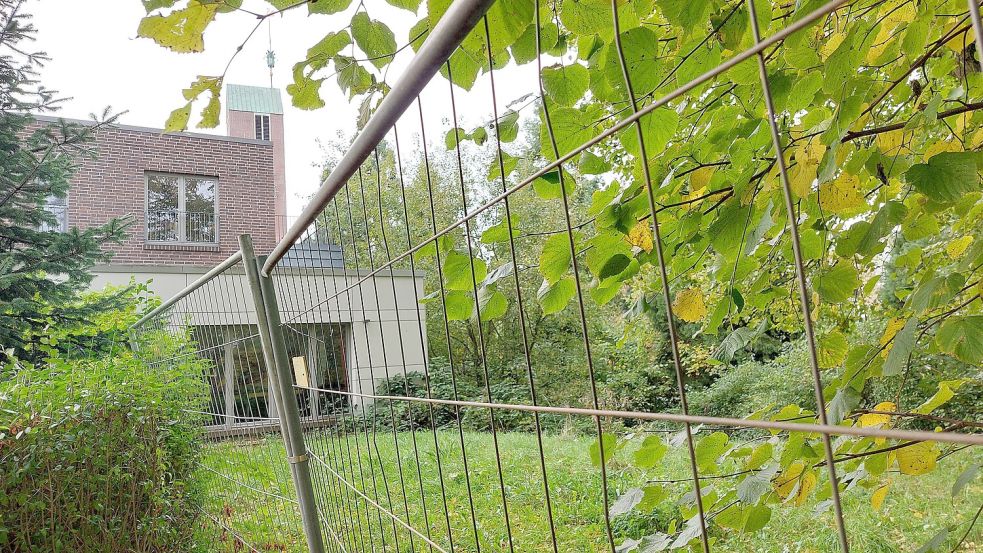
243	124
113	185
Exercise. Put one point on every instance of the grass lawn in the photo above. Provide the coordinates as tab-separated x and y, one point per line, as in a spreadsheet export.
258	506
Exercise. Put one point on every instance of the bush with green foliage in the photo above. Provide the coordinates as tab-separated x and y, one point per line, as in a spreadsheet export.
98	454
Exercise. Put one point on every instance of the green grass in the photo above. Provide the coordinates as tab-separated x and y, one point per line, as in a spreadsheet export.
915	509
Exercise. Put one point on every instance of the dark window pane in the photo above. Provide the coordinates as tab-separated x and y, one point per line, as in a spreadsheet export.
162	208
199	202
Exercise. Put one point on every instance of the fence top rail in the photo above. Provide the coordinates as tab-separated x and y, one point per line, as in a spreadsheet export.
443	39
198	283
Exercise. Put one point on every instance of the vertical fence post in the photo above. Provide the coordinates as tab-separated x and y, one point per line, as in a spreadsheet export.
281	382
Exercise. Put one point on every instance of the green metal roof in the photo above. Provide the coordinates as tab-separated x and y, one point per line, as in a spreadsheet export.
257	99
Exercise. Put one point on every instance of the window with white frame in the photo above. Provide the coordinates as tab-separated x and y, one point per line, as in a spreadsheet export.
181	208
58	208
262	126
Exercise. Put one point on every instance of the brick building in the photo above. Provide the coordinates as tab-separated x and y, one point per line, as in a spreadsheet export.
190	196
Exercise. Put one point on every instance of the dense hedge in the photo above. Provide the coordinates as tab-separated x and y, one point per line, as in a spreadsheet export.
97	456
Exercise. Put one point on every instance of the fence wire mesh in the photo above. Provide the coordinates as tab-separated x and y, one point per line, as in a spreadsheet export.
245	471
385	292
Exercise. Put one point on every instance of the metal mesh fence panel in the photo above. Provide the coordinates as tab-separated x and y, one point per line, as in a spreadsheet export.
245	475
386	286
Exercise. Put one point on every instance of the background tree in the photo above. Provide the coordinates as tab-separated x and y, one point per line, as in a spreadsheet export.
42	269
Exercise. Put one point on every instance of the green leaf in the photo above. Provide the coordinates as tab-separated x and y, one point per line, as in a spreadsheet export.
319	55
374	38
492	303
962	337
614	266
547	186
710	448
652	451
727	228
947	176
326	6
591	164
734	342
964	478
626	502
178	120
152	5
935	543
658	127
745	518
609	443
759	231
181	30
352	77
458	269
554	297
888	217
555	259
458	305
585	17
901	346
945	392
641	59
499	232
756	484
565	84
411	5
305	92
495	170
508	126
839	283
571	128
844	401
479	136
685	14
833	348
453	137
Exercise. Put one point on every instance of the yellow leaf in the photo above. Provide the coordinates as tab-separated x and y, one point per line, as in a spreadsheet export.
181	30
700	178
893	326
889	143
877	499
917	458
942	146
796	479
875	419
806	485
177	121
787	480
803	173
640	235
841	194
831	44
881	42
689	305
959	42
958	246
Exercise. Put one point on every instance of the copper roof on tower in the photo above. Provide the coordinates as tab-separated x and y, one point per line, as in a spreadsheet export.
257	99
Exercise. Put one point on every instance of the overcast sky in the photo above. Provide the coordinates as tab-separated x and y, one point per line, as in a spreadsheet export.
98	61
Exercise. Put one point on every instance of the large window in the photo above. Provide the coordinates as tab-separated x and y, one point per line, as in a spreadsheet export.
262	127
181	208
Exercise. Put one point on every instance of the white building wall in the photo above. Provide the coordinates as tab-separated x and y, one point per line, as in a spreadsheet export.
386	325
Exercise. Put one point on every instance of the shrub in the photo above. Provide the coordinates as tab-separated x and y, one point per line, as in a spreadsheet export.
753	385
417	415
97	455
